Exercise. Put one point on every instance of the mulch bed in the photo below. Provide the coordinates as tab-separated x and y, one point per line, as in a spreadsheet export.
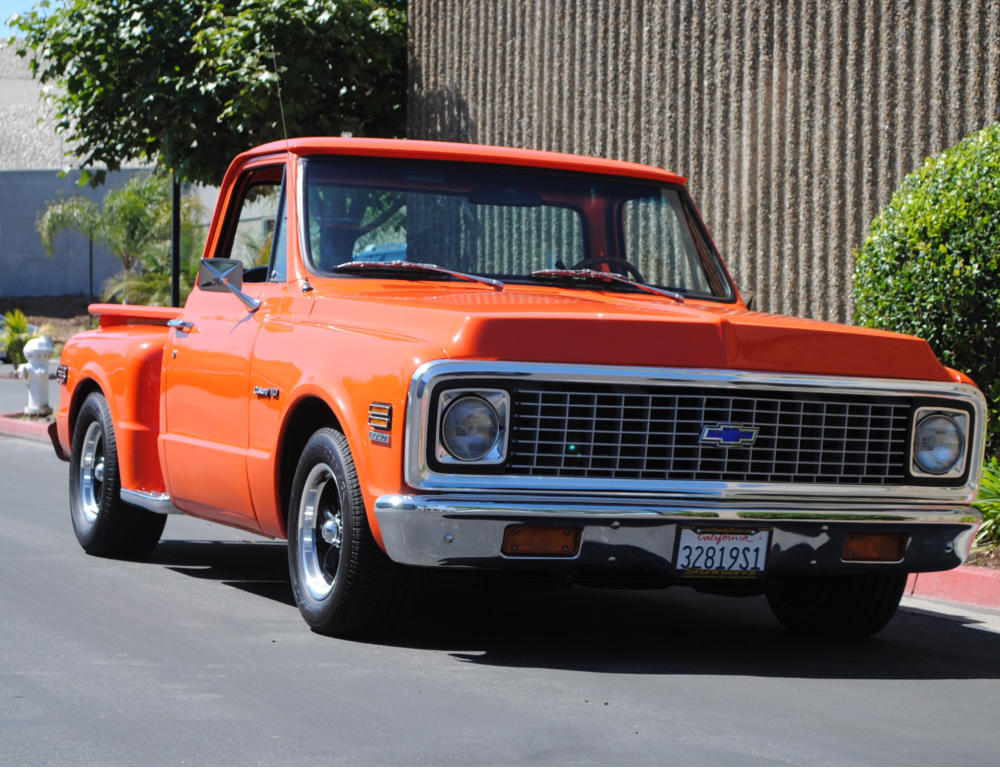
46	306
67	314
985	558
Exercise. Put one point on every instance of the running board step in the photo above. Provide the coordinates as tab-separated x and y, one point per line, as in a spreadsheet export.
154	502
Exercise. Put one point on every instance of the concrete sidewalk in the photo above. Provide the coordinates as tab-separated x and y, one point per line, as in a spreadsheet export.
968	585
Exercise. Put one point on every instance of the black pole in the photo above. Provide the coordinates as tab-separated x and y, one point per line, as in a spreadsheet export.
175	251
91	284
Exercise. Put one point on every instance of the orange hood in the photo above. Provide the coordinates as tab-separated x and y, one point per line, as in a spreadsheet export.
549	324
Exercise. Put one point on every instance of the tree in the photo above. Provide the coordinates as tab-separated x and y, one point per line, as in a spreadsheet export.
133	223
129	223
342	67
188	84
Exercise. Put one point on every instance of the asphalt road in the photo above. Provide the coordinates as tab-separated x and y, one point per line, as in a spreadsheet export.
199	656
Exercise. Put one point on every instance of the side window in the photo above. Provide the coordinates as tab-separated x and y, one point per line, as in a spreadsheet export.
252	229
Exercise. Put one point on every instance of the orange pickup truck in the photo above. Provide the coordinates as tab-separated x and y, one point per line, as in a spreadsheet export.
408	354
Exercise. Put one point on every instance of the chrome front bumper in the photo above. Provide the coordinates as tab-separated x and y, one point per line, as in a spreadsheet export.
637	535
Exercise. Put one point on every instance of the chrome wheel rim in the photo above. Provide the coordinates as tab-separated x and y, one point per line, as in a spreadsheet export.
320	531
92	472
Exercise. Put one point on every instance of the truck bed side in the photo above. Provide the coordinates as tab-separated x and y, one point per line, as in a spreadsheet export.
123	360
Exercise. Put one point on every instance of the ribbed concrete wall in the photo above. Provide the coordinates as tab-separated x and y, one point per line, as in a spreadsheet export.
794	120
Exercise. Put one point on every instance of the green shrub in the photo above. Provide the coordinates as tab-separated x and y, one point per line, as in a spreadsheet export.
989	505
16	333
931	264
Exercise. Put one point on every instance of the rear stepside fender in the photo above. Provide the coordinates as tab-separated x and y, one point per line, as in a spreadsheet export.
124	363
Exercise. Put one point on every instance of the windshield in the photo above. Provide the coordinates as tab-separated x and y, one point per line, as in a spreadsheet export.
506	223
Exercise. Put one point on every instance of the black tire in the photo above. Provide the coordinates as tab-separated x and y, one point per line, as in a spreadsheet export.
105	525
343	583
840	607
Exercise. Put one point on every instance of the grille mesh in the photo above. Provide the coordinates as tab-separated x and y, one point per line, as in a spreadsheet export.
601	431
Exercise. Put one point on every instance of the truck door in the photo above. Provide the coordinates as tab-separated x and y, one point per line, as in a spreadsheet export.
207	394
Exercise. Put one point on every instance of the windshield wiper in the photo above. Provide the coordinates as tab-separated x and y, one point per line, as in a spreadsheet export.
376	266
593	274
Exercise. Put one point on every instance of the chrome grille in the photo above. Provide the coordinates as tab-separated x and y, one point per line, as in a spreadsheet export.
608	431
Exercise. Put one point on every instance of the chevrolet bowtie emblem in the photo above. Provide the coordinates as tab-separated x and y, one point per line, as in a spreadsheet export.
728	435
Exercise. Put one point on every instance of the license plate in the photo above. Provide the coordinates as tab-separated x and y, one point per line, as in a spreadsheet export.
722	553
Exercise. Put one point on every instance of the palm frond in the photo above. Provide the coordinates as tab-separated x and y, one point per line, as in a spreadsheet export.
73	213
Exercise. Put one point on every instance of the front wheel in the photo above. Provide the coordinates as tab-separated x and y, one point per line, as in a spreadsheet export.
104	524
844	607
343	583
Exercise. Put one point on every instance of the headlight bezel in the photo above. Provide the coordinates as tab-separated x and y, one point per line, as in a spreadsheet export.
961	419
498	400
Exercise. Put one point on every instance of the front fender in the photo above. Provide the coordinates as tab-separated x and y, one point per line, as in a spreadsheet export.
347	370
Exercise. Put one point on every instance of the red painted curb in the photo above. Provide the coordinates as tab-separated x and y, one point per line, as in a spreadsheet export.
11	424
969	584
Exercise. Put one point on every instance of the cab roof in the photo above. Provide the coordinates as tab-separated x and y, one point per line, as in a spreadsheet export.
468	153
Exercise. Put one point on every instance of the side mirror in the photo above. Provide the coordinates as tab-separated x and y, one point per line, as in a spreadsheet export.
214	274
220	275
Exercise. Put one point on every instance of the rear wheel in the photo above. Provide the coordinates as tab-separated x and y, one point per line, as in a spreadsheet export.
343	583
847	607
104	524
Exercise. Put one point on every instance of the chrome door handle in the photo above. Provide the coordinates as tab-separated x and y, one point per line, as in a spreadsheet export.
182	325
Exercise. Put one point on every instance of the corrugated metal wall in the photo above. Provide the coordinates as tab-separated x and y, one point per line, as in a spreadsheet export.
794	120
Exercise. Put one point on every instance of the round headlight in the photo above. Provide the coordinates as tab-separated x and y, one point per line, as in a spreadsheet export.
469	428
938	443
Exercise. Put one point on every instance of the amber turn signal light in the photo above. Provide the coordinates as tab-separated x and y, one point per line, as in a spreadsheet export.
537	541
875	547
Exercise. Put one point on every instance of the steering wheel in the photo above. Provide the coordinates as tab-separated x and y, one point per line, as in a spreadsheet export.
596	261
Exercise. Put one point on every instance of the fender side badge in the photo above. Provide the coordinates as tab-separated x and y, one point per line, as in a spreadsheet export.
380	423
